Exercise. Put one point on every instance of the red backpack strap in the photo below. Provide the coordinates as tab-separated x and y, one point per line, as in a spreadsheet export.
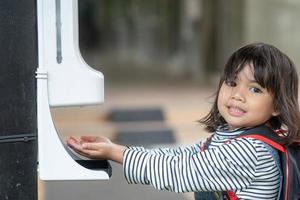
231	195
266	135
266	140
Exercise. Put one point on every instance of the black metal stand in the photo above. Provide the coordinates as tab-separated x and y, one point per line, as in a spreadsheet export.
18	121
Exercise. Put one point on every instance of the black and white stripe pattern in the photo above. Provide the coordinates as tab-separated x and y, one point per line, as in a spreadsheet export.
243	165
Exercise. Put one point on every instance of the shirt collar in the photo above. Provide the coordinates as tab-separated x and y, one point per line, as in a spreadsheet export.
225	131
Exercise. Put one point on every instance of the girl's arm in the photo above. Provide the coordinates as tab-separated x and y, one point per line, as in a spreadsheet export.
103	148
228	167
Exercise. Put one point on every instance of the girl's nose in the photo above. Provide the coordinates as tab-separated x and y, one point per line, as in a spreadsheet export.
237	94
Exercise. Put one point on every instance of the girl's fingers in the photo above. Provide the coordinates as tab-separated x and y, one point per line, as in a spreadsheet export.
88	153
91	154
89	138
89	149
72	142
94	139
91	146
79	149
72	139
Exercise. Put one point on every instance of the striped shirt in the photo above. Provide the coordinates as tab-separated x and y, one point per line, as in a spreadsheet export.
243	165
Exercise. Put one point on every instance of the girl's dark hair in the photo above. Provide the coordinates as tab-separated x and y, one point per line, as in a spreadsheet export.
274	71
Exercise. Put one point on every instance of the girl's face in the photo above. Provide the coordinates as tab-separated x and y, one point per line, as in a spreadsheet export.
244	103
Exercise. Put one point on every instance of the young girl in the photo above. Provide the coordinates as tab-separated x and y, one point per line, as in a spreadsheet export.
259	86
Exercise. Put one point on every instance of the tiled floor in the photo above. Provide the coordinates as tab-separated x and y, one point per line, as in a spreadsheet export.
182	107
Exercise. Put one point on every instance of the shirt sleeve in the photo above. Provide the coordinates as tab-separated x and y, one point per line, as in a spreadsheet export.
227	167
171	151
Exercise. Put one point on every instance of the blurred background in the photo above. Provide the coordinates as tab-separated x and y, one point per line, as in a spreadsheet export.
161	61
180	40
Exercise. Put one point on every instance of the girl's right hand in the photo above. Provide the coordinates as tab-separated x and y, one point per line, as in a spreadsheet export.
97	148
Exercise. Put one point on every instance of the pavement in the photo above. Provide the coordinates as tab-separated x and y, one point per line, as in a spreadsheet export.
182	106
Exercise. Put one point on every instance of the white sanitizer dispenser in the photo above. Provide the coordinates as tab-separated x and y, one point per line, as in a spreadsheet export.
63	79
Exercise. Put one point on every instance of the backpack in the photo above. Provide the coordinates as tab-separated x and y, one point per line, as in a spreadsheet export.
289	156
289	160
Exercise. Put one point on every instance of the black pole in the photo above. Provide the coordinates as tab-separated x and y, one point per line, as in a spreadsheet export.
18	121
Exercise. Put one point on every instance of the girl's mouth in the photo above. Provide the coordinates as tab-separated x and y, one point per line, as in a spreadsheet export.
235	111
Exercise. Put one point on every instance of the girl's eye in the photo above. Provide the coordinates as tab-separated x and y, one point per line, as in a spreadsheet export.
230	83
255	90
